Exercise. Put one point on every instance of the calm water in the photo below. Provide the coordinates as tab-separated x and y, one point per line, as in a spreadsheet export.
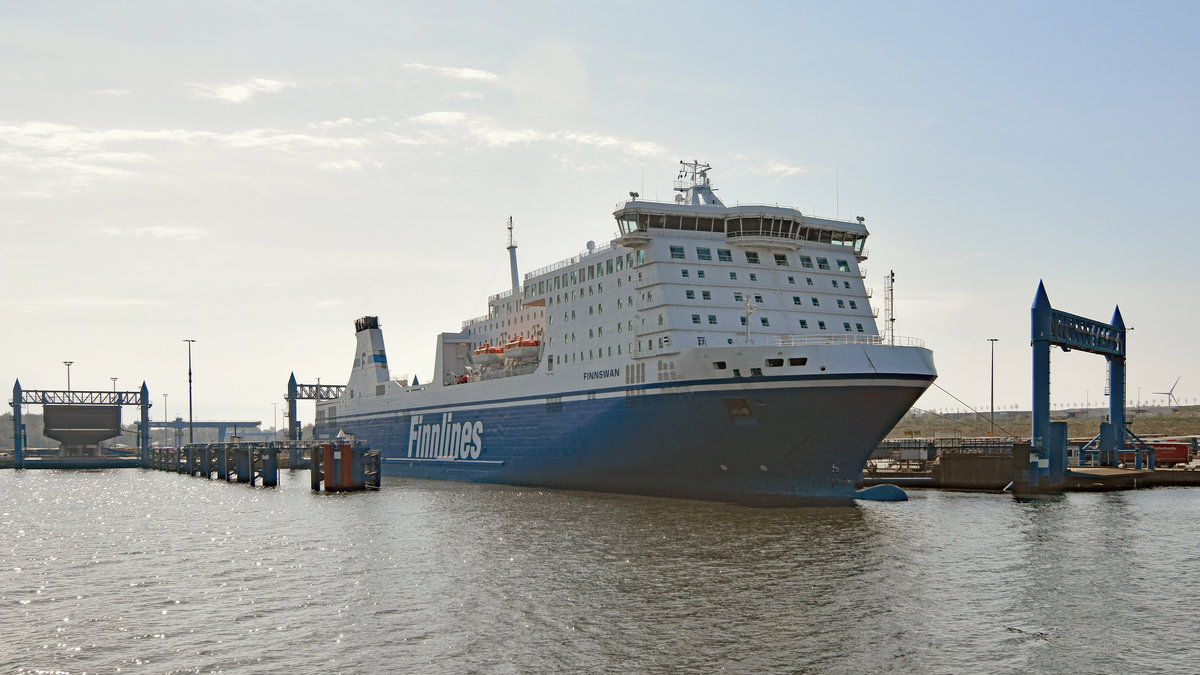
143	571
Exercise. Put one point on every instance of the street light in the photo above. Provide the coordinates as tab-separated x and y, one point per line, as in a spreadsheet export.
114	383
191	438
68	365
993	404
275	420
166	429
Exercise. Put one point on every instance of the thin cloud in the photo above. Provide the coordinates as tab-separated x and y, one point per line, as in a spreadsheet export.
157	232
111	93
453	72
460	127
344	165
777	169
240	92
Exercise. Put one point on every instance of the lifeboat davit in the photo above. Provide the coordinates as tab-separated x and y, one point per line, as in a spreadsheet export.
487	355
522	349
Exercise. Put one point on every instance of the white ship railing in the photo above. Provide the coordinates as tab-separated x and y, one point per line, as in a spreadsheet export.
600	248
802	340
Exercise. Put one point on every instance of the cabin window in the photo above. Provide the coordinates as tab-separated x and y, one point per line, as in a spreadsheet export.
689	294
846	284
859	327
841	304
620	264
712	319
756	372
822	263
816	302
738	297
843	266
853	305
846	325
701	341
764	321
724	255
821	325
641	256
753	276
834	282
683	273
806	262
733	276
743	320
752	257
695	318
705	295
809	280
804	323
703	254
677	253
796	300
699	274
758	299
792	280
781	259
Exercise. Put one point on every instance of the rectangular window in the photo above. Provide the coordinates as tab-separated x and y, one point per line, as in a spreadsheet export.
792	280
703	254
765	321
758	299
834	282
756	372
859	327
796	300
798	361
701	341
591	272
737	297
724	255
705	295
846	284
752	257
846	325
843	266
806	262
809	280
804	323
700	274
821	325
853	305
774	363
841	304
677	253
641	256
620	264
753	276
781	259
690	294
608	266
695	318
822	264
683	273
816	302
733	275
712	319
743	320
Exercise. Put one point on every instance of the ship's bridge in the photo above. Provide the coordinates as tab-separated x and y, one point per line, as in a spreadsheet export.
753	225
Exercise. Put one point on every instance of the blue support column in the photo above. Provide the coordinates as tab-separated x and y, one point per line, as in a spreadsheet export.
144	440
1116	397
1042	332
293	423
18	429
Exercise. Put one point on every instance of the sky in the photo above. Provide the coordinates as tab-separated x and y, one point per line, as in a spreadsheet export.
257	175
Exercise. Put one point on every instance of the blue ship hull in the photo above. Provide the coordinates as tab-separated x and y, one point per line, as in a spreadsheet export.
764	440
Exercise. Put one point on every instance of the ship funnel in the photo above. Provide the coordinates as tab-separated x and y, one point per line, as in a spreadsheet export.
369	375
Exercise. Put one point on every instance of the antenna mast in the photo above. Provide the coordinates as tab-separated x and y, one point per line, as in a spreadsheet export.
889	307
512	258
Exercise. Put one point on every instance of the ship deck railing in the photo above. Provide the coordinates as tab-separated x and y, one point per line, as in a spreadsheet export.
600	248
802	340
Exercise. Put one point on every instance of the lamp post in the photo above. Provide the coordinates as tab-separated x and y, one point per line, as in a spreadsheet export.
166	429
114	383
191	437
68	365
275	421
993	403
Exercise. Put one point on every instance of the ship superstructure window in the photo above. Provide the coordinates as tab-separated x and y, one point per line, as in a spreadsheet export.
738	297
724	255
841	304
699	274
752	257
821	325
781	259
677	253
703	254
806	262
843	266
822	263
701	341
846	284
853	305
758	299
690	294
792	280
753	276
816	302
712	319
705	295
764	321
695	318
683	273
809	280
804	323
733	276
846	325
796	300
774	363
834	282
743	320
798	361
859	327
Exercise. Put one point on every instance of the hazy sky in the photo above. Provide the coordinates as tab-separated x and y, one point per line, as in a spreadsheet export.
256	175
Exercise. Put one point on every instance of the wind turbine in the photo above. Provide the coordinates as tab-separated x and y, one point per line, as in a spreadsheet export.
1170	394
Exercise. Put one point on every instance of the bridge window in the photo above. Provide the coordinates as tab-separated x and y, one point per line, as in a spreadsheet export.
822	263
724	255
752	257
703	254
806	262
781	259
677	253
843	266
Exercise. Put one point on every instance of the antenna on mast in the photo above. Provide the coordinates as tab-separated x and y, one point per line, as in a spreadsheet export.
512	258
889	306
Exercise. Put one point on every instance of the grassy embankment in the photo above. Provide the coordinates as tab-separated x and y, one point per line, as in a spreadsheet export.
1152	422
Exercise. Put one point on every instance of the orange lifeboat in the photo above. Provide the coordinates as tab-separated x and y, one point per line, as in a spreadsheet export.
523	349
487	355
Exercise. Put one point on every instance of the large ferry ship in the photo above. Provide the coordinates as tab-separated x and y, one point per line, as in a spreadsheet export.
707	351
